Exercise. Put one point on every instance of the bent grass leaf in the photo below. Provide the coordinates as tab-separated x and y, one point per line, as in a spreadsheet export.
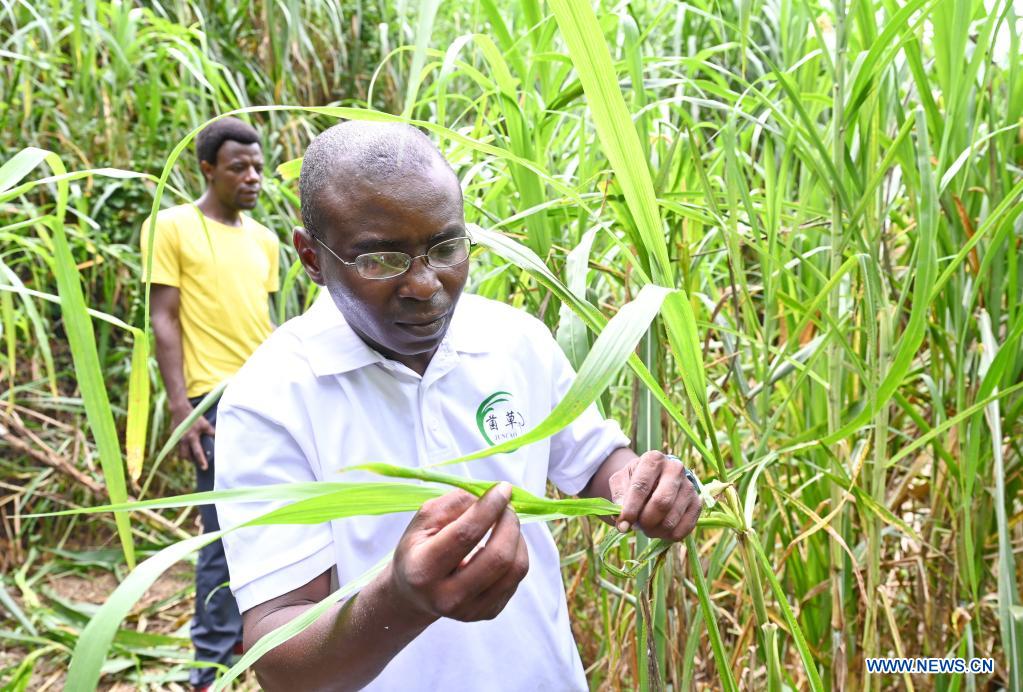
94	641
610	351
356	498
523	501
526	259
20	165
571	332
315	503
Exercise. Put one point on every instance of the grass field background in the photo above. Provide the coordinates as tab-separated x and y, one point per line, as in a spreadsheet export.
831	192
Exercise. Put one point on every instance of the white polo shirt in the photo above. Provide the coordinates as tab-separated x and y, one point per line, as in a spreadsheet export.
314	398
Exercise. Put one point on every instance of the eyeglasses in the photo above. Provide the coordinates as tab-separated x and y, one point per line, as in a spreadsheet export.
388	265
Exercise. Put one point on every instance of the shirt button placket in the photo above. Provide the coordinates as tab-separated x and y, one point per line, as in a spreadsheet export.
436	445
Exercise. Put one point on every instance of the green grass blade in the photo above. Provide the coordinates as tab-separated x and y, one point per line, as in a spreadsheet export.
809	665
1008	588
20	165
618	137
82	341
925	272
523	501
725	677
319	503
523	257
297	625
358	498
138	404
175	437
610	351
424	31
36	320
94	641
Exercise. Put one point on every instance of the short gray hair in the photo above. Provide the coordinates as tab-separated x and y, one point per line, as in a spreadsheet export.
380	151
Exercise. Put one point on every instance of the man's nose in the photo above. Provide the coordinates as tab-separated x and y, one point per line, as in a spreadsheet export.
420	281
252	175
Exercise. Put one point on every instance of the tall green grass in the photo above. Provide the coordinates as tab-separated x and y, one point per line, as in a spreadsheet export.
829	198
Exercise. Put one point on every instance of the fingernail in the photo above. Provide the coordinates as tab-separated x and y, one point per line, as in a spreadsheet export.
623	527
504	489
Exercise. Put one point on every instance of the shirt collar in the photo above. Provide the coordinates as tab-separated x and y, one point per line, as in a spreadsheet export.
333	347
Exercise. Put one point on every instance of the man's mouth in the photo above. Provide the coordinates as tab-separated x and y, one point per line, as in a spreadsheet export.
426	326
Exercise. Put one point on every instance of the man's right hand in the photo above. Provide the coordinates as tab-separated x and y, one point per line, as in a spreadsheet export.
435	570
190	445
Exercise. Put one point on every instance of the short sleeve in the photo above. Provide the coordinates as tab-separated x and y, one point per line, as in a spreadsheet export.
166	253
264	561
273	253
578	449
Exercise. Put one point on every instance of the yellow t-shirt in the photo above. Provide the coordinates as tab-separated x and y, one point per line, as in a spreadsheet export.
224	274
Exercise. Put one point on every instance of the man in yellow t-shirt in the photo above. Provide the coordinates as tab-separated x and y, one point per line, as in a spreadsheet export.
213	269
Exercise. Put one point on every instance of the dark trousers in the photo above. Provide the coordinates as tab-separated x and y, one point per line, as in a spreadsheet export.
217	624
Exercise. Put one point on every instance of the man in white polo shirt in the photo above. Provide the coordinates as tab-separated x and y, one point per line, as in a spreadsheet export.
392	363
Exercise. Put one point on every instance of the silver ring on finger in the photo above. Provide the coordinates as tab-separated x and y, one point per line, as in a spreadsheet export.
688	474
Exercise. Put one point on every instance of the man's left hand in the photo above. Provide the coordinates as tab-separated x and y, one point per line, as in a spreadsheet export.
654	493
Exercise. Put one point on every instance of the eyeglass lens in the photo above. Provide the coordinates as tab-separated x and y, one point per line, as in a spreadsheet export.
386	265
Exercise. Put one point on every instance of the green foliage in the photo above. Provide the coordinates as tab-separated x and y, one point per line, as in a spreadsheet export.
817	209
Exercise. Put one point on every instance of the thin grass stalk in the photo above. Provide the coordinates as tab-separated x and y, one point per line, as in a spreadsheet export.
726	678
649	644
39	329
8	326
834	356
175	437
1008	589
774	667
755	588
879	342
767	570
871	640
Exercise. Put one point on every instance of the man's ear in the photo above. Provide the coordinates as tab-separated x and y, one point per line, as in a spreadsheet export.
207	171
308	254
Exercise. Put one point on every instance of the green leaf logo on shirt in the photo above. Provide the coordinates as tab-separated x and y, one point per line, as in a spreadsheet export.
497	418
